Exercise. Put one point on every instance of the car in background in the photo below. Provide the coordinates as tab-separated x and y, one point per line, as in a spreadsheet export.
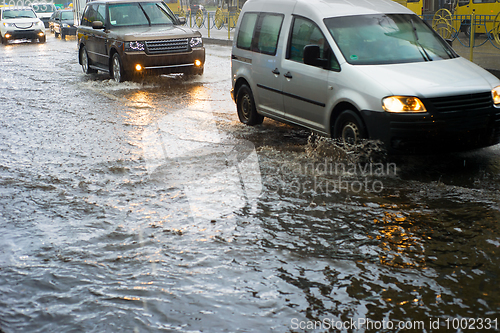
137	37
62	23
20	23
44	11
195	8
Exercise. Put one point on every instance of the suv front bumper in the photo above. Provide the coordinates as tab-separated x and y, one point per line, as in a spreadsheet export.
164	63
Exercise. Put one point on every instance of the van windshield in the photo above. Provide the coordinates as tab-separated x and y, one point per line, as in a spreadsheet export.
387	39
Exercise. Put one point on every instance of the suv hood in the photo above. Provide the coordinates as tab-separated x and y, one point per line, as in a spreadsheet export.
433	78
129	34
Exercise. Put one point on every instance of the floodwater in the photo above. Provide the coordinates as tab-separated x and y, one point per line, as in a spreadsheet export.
147	207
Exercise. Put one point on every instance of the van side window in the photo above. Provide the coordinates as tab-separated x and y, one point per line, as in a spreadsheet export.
305	32
267	34
259	32
245	33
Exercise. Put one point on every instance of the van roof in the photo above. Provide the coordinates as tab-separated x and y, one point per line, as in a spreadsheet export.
333	8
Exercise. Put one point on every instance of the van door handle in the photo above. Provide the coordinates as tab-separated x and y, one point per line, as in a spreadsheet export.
288	75
276	71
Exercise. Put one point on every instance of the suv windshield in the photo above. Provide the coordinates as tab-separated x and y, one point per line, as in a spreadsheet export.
387	39
144	13
18	13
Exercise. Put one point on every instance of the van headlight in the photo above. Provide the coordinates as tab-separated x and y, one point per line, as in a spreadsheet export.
196	42
495	93
5	24
134	46
403	104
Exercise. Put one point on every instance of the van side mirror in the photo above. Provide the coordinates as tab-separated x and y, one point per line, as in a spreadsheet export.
182	20
450	42
312	56
97	25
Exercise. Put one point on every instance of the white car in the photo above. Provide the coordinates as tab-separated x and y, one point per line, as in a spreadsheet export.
20	23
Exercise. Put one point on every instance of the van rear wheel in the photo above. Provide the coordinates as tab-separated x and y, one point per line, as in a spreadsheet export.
245	104
349	128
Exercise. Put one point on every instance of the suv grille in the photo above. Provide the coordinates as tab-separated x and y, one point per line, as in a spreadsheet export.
463	104
167	46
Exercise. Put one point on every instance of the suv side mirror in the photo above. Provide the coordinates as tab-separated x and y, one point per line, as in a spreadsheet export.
97	25
182	20
312	56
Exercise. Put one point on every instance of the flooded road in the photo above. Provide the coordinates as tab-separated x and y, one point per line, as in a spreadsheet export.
147	207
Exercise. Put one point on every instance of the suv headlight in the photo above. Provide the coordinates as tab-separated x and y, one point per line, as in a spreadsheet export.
403	104
495	93
196	42
65	25
5	24
134	46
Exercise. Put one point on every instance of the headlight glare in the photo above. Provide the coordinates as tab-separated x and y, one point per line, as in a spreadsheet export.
196	42
134	46
403	104
495	93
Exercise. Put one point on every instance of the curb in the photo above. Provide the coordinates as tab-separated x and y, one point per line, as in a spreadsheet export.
216	41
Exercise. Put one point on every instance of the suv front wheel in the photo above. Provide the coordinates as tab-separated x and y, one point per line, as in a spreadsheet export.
117	68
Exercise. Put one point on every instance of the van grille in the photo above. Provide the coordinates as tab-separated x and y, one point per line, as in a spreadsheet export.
463	104
167	46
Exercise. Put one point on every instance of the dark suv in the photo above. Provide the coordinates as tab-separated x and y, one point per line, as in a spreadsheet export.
127	37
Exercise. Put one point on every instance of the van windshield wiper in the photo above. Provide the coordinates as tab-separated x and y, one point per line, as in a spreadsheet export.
424	54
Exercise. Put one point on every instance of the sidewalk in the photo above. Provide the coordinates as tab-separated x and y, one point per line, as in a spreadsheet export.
487	55
219	37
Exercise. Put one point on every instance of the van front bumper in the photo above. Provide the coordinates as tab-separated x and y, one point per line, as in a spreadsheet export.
428	133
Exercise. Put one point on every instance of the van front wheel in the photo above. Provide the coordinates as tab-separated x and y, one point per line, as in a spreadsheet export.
349	128
245	105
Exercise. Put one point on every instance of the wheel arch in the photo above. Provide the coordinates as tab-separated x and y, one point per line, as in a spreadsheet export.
341	107
237	85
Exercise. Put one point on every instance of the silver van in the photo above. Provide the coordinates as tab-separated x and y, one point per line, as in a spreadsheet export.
365	69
